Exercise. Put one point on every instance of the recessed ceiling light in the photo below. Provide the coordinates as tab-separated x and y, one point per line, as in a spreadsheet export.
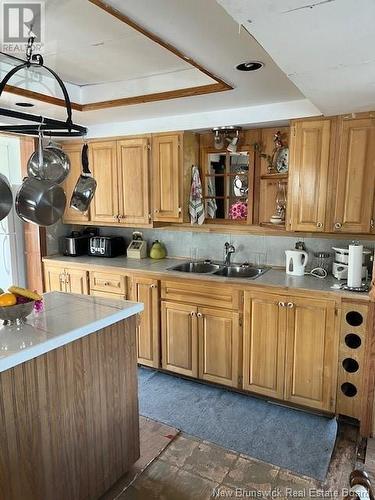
250	66
25	104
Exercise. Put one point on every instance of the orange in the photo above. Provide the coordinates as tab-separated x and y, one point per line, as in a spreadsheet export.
7	299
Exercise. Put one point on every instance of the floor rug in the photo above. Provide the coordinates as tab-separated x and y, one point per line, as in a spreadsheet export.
288	438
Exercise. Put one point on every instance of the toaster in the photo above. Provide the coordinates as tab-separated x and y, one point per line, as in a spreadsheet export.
106	246
75	244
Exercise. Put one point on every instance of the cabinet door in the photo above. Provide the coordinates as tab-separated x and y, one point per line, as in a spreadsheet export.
133	172
311	353
77	281
355	176
54	279
166	168
74	151
103	166
179	338
148	332
218	346
264	344
308	175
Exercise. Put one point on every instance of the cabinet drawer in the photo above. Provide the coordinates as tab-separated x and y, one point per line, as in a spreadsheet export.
107	282
107	295
202	294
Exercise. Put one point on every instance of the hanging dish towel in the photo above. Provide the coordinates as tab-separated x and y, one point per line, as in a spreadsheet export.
196	208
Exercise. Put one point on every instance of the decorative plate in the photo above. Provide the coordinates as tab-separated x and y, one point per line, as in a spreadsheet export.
281	162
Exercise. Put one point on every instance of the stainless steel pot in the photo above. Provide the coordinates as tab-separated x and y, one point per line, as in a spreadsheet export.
40	202
50	163
6	197
86	186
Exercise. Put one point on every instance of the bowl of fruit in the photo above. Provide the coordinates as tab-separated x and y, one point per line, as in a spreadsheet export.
17	304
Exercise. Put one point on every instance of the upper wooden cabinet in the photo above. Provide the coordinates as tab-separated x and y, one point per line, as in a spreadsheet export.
173	155
103	166
72	216
355	176
308	175
133	173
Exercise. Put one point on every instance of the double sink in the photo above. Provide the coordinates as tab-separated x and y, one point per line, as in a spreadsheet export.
229	271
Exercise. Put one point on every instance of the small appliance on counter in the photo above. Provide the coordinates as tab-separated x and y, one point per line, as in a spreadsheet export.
77	243
138	247
341	263
107	246
296	261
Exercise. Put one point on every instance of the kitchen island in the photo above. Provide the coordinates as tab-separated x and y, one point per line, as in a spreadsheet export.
69	424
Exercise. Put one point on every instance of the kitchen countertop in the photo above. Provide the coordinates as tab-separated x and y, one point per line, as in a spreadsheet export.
66	317
274	277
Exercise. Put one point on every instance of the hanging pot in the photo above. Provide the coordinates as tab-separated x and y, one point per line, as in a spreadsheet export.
40	202
86	186
49	164
6	197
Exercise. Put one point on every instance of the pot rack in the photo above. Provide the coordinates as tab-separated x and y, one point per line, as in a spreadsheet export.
49	126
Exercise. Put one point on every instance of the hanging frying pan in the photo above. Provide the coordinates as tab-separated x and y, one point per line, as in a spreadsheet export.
55	164
6	197
38	201
86	186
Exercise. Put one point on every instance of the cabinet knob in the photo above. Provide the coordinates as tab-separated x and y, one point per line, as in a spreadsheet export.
200	315
281	304
192	314
372	223
153	286
319	224
156	211
290	305
338	225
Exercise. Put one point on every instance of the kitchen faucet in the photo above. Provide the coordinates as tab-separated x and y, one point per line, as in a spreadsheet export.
229	249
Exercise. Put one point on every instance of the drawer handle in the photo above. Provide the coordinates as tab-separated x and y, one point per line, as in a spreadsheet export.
290	305
156	211
319	224
282	304
338	225
107	283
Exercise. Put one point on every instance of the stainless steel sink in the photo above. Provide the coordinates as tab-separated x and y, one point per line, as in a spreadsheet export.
246	271
208	267
203	267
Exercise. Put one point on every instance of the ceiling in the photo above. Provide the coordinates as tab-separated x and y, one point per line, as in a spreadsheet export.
325	47
102	57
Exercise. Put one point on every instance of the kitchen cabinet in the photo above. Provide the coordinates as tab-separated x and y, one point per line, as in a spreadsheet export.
308	175
172	156
103	166
166	168
218	345
290	348
264	344
72	216
179	333
133	176
355	176
62	279
146	290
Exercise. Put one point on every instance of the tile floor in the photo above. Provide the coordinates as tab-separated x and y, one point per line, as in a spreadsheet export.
189	468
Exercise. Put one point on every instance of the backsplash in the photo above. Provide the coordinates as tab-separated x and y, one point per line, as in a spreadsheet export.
266	249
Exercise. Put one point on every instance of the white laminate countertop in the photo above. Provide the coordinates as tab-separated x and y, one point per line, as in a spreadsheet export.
66	317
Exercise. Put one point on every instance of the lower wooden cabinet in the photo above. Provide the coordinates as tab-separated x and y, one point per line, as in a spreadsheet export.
218	345
66	280
148	331
290	349
200	342
179	334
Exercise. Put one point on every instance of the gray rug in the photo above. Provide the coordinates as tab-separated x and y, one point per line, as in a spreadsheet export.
292	439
